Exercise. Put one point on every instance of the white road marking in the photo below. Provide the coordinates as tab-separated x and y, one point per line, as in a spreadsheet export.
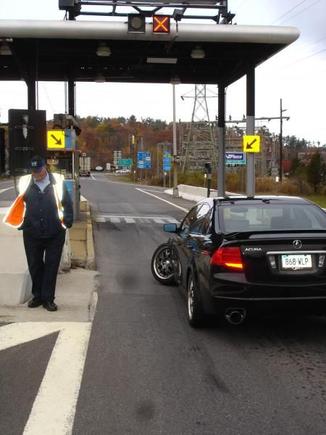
161	199
92	177
159	221
101	218
54	408
115	220
130	220
4	190
3	210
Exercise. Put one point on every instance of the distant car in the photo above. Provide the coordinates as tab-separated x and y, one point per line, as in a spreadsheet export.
99	168
122	171
236	255
84	173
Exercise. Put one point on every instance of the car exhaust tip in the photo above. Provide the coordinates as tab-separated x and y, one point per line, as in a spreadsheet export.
235	316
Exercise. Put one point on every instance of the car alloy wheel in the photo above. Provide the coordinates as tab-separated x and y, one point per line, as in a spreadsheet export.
163	265
190	298
194	305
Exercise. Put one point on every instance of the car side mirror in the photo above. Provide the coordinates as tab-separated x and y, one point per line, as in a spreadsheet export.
170	228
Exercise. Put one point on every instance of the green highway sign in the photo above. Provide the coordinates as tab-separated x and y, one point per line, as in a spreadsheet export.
125	162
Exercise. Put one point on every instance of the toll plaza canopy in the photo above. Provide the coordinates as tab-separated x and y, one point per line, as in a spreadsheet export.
85	50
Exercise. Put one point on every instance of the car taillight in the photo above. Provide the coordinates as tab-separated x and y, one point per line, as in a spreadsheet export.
228	257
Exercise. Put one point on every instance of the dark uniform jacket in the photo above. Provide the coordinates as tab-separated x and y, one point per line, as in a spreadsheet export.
41	217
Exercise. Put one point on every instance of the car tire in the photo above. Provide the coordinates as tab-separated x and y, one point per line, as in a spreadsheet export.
195	310
162	266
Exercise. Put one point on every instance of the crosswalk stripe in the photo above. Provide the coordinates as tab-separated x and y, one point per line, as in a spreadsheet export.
102	218
115	220
130	220
159	221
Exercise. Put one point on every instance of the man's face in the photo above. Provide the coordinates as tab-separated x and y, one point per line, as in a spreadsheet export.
38	176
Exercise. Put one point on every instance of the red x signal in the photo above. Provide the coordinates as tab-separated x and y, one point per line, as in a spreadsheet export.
161	24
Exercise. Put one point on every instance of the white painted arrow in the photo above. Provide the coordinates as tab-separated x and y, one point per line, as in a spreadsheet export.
54	408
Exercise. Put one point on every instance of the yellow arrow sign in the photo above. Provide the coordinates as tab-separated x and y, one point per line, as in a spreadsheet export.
251	144
56	139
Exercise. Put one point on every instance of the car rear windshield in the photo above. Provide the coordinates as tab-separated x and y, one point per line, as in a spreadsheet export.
270	217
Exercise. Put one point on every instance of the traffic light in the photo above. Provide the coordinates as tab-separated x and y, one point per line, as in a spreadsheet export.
136	23
208	168
161	24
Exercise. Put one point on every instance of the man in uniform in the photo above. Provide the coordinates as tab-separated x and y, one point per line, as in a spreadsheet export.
43	210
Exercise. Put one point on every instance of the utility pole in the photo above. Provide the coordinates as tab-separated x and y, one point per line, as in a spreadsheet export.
281	139
174	161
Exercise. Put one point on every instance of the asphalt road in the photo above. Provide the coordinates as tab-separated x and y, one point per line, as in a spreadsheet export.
148	372
7	192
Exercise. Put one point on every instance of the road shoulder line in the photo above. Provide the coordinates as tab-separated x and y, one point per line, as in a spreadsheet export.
161	199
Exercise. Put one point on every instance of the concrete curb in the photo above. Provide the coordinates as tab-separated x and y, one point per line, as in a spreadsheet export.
82	239
90	259
192	193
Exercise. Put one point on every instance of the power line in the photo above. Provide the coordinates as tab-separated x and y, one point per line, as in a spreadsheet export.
302	10
303	58
289	11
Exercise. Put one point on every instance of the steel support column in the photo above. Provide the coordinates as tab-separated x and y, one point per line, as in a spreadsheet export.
31	93
221	141
250	130
75	155
71	97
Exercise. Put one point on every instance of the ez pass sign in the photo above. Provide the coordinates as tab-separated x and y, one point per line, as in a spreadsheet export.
251	144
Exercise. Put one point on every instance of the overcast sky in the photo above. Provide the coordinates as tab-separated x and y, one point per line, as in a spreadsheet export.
297	74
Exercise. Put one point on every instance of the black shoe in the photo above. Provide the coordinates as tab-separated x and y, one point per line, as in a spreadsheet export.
50	306
35	302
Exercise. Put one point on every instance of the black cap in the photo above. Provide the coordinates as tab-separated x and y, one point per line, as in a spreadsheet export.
37	163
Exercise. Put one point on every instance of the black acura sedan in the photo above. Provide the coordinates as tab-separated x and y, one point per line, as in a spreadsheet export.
237	254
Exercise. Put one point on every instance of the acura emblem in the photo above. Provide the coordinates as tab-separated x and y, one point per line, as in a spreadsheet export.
297	244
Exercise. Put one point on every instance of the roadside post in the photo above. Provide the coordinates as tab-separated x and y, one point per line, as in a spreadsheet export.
208	172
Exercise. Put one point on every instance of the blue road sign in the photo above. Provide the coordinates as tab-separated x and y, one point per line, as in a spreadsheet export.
166	162
144	160
235	158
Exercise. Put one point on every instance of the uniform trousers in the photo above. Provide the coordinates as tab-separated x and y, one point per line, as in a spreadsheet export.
43	259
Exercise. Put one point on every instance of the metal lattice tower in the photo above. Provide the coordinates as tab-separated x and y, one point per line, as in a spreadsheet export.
198	139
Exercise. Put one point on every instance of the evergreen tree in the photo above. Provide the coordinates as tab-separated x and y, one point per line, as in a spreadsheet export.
315	170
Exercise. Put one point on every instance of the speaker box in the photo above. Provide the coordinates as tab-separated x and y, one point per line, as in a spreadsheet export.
27	137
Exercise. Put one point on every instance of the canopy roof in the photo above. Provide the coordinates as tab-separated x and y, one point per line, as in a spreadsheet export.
58	50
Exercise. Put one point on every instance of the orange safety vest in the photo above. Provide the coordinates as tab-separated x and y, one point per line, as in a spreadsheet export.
16	213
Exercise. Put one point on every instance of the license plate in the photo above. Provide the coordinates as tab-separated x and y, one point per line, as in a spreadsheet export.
296	261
